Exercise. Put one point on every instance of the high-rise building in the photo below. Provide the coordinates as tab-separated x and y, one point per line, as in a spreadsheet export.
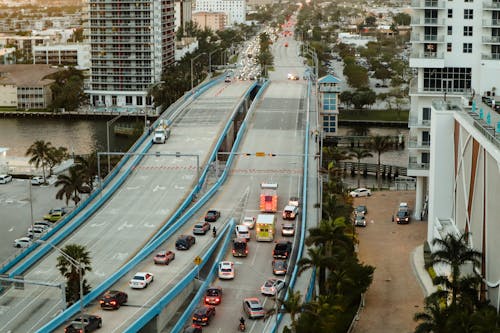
132	42
455	53
234	9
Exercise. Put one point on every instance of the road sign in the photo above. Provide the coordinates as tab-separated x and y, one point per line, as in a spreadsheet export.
260	153
197	260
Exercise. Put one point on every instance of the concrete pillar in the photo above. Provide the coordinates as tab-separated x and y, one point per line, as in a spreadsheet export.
419	199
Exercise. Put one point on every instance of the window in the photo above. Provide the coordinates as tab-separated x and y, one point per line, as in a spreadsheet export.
426	114
330	102
448	47
450	30
468	14
468	31
468	0
128	100
435	78
467	48
450	13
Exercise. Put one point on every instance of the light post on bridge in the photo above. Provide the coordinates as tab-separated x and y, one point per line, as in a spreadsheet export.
210	60
108	124
193	59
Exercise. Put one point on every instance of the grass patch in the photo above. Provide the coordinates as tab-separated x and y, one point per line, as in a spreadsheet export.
432	273
381	115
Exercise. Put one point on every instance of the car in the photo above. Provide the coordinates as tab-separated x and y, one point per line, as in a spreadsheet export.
4	179
42	224
113	299
37	180
403	216
164	257
22	242
242	231
287	229
290	212
282	249
201	228
36	232
55	214
272	287
213	295
294	201
360	221
184	242
377	85
90	323
249	221
361	210
226	270
141	280
253	308
227	79
360	192
212	215
280	266
203	315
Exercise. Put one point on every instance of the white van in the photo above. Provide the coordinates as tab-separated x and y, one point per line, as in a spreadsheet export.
4	179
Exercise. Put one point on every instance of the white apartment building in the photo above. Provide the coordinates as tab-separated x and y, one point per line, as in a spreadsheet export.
234	9
132	42
456	52
75	54
183	12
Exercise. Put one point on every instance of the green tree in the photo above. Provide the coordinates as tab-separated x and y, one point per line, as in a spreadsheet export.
359	154
346	98
434	317
71	186
56	156
86	167
68	270
380	144
402	19
39	152
317	261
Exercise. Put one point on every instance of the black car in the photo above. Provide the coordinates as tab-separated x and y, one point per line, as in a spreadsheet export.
113	299
361	210
282	249
203	315
212	215
90	324
403	216
184	242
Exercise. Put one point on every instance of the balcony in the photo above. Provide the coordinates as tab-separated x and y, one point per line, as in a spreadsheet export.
419	38
414	143
416	21
491	56
456	92
427	55
491	23
491	39
423	4
491	5
418	166
419	123
334	89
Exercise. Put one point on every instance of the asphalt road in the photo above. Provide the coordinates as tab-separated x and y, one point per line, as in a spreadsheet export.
395	294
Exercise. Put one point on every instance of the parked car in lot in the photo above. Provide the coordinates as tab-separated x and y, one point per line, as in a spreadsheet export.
141	280
287	229
212	215
403	214
226	270
213	295
42	224
253	308
361	210
90	323
37	180
360	192
184	242
249	221
280	266
4	179
201	228
55	214
164	257
36	232
360	221
22	242
203	315
113	299
272	286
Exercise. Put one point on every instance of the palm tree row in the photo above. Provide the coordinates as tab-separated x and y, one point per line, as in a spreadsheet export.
457	306
340	277
46	156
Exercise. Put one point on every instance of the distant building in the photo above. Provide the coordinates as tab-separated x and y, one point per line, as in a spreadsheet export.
234	9
210	20
76	55
184	46
26	86
329	89
183	13
7	56
353	39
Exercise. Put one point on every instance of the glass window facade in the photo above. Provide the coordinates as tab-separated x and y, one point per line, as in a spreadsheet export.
330	123
330	101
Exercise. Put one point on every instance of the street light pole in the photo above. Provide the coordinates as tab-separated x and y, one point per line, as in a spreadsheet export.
193	59
210	60
109	123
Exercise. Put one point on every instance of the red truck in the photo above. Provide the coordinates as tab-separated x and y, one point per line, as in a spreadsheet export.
268	197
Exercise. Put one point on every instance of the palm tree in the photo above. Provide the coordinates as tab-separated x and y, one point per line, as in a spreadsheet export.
292	305
39	152
71	186
87	168
56	156
318	261
358	154
380	144
72	273
330	233
435	316
454	252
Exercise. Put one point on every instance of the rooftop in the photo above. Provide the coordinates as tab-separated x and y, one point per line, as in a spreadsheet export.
26	75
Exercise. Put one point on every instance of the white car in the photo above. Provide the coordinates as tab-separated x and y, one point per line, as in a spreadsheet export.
141	280
35	232
360	192
249	221
226	270
4	179
290	212
287	229
272	286
242	231
22	242
37	180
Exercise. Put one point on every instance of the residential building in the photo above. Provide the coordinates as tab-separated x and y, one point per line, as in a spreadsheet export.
234	9
7	56
329	90
210	20
76	55
456	53
464	179
183	13
131	42
26	86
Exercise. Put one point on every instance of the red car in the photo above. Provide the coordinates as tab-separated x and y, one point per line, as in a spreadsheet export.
164	257
212	215
213	295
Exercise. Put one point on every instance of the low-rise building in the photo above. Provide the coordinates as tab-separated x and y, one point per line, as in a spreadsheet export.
76	55
214	21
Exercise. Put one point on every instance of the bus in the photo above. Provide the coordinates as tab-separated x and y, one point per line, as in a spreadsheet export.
240	247
264	228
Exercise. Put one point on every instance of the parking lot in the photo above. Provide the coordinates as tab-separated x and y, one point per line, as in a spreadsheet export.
395	294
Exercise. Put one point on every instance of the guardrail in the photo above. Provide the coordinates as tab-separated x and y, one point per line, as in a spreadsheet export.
163	234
